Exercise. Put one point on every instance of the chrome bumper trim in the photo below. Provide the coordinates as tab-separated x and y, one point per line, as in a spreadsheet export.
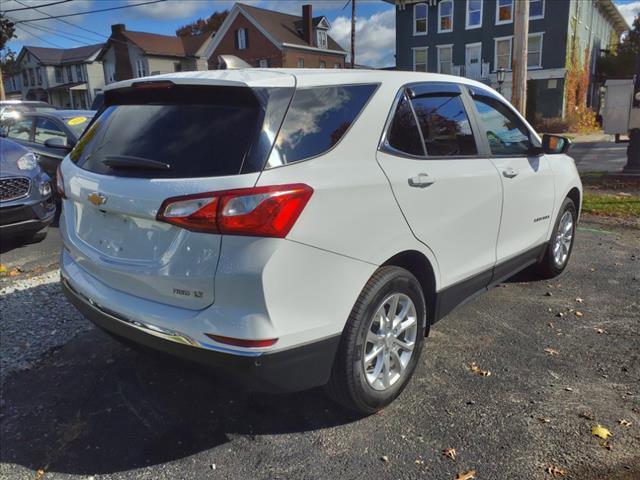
160	332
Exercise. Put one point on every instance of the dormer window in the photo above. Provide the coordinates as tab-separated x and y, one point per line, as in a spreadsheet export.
322	39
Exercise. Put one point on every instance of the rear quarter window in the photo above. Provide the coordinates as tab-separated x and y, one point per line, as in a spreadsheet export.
316	121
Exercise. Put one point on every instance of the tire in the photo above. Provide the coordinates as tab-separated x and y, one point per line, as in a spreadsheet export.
351	383
551	265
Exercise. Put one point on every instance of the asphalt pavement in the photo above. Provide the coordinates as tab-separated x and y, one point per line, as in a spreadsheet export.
599	156
91	408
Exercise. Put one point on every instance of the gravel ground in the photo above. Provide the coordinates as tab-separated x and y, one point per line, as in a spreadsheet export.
94	408
35	319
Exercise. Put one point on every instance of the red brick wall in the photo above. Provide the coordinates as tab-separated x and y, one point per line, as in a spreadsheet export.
259	46
311	59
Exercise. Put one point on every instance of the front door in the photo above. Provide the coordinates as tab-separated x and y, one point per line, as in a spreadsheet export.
527	179
473	60
450	196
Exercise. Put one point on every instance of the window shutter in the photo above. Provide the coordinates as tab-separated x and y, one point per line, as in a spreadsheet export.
235	37
246	38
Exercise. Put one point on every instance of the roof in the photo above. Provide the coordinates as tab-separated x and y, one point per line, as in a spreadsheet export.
165	45
284	27
59	56
292	77
620	24
65	86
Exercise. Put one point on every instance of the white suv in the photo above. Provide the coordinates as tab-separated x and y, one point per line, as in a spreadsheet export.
300	228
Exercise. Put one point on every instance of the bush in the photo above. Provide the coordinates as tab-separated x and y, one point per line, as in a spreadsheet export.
550	125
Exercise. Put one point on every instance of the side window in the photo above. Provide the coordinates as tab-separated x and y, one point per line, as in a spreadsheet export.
403	133
506	133
317	120
21	129
46	129
444	124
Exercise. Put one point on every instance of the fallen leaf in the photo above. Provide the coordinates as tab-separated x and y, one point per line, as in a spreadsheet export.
555	471
600	431
579	300
449	453
384	458
607	444
568	389
551	352
473	366
466	476
419	461
587	415
599	330
15	271
579	314
560	314
592	269
548	294
544	419
624	423
3	269
40	473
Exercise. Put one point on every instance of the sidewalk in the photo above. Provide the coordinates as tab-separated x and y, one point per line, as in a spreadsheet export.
597	152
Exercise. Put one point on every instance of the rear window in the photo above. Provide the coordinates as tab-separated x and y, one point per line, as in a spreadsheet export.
317	119
194	134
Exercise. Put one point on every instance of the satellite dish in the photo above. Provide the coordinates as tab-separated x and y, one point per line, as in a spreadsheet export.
231	62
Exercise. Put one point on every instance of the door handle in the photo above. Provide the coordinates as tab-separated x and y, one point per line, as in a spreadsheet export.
509	172
421	180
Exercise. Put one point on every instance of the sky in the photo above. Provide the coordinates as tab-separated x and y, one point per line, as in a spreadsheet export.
375	31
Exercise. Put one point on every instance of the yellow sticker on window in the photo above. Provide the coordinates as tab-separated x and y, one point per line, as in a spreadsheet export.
76	121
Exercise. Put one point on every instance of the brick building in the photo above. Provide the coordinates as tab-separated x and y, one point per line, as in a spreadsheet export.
264	38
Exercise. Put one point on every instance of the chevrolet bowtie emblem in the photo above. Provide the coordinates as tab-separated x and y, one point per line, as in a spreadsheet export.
97	199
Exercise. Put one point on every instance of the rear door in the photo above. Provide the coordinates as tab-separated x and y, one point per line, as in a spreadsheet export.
527	179
44	129
449	193
206	138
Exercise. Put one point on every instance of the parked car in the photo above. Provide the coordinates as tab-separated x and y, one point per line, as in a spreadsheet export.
299	228
26	202
50	135
11	109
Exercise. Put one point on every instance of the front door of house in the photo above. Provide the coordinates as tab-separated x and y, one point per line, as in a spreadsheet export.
473	63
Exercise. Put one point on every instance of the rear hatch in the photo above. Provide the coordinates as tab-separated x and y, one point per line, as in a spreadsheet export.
153	141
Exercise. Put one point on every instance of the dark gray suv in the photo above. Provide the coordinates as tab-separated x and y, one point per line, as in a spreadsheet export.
26	201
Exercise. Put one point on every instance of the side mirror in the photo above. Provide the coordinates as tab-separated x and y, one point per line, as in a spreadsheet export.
554	144
57	142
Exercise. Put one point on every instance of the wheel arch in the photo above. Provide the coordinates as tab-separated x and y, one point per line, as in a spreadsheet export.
419	265
575	195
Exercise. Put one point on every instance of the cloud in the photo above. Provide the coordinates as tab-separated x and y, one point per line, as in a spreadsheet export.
629	10
375	38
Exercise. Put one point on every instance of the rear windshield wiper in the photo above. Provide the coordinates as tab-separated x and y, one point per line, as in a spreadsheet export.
138	163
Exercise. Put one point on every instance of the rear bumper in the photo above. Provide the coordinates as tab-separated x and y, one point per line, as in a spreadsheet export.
291	370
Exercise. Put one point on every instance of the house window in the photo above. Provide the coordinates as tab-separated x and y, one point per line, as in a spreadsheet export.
79	75
503	53
504	11
59	74
39	75
141	69
445	16
474	14
337	65
32	78
445	57
322	39
110	73
264	63
534	56
323	64
69	74
25	77
177	66
420	59
301	63
536	9
420	19
241	39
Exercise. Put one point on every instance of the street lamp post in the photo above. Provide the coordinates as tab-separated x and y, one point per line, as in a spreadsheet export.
500	78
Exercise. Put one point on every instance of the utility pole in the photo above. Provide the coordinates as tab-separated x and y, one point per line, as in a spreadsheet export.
633	150
353	34
519	60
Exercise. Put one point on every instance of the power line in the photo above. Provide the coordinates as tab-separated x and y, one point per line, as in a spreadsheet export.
26	7
90	11
38	36
53	31
68	23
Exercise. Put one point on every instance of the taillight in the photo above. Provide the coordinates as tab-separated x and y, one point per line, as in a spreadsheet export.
241	342
60	183
261	211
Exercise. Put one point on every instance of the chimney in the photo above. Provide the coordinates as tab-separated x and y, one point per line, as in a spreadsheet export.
307	25
123	67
